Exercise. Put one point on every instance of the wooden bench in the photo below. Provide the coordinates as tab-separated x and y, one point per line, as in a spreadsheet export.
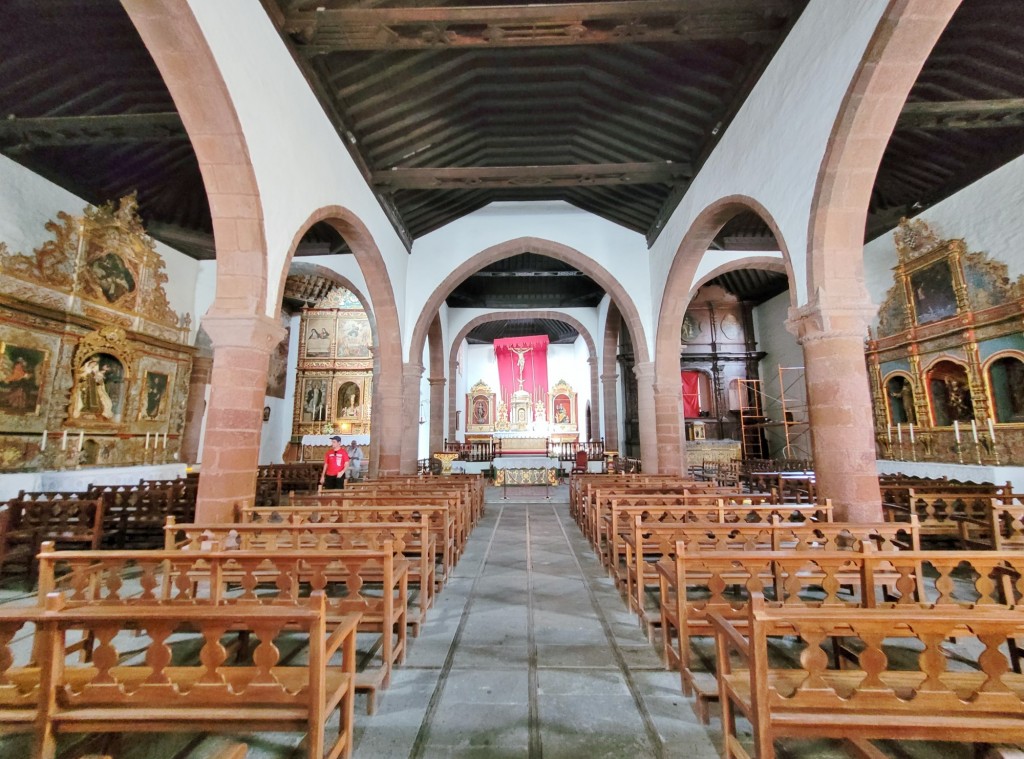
470	485
30	521
700	583
439	517
811	697
372	583
660	540
411	539
124	690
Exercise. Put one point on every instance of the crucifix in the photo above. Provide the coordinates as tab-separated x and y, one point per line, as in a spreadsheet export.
520	362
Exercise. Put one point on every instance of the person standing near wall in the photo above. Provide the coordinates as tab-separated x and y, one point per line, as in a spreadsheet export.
335	465
355	458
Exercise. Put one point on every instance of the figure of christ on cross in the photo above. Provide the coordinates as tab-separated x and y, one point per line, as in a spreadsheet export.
520	361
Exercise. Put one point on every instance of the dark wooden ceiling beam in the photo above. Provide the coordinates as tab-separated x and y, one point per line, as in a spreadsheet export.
963	114
478	177
59	131
329	30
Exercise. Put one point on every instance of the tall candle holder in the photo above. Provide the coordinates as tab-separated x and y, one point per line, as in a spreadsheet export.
977	450
990	448
958	449
913	450
900	447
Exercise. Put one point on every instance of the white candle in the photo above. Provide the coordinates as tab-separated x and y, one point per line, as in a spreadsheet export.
974	430
64	441
147	441
991	430
165	441
899	432
956	429
911	425
888	431
42	443
81	438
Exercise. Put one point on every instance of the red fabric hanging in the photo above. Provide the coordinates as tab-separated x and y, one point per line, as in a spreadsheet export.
535	366
691	394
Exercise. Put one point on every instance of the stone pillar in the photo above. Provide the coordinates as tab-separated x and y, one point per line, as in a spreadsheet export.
242	345
202	370
610	385
647	416
668	432
839	407
437	434
412	376
595	400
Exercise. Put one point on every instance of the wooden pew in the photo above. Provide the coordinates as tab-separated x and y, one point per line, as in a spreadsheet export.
963	519
411	539
373	583
472	485
122	691
32	520
700	583
659	540
810	697
440	518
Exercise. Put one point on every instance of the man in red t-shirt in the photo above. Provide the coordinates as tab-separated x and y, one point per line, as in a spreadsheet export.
335	466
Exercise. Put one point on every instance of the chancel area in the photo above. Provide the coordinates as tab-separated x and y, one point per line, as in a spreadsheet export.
408	379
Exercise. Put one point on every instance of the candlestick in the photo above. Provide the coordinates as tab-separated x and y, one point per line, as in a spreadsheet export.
974	430
911	425
42	442
147	441
956	429
888	432
899	432
165	442
64	441
991	430
81	438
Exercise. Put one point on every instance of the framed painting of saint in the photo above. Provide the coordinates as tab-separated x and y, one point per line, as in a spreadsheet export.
318	334
154	401
480	408
22	370
932	288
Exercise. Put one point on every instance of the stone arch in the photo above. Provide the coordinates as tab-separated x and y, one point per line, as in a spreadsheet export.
679	287
386	421
766	263
903	39
519	314
542	247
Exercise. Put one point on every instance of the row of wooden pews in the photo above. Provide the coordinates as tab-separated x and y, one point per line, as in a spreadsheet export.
809	627
273	622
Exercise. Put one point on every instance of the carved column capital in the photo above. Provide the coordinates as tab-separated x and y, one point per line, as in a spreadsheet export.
251	331
610	377
437	381
644	371
832	317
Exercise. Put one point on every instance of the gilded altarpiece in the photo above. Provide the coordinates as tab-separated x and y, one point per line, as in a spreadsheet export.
334	381
94	363
947	361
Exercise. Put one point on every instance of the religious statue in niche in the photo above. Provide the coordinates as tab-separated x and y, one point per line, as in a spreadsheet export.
21	370
950	394
99	388
348	400
314	407
1007	381
901	401
480	411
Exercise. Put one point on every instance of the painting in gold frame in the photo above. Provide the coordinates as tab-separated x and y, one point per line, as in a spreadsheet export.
22	370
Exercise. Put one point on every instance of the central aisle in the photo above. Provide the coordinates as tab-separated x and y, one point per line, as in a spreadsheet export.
530	652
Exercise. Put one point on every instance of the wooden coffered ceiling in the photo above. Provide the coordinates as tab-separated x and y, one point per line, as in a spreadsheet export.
446	107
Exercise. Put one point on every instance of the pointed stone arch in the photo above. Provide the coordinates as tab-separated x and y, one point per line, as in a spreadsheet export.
519	314
679	288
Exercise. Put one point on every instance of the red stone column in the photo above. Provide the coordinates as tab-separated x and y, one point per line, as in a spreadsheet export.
202	371
595	400
387	428
839	406
649	454
610	386
669	438
238	385
437	386
412	377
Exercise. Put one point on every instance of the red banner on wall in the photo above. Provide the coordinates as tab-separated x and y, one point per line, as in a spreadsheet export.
526	357
691	394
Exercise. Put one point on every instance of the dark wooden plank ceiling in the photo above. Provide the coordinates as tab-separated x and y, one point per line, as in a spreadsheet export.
609	106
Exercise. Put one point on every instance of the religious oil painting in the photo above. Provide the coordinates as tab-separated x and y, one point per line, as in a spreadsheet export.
21	376
154	400
319	333
277	370
314	400
112	276
349	401
354	338
934	298
98	393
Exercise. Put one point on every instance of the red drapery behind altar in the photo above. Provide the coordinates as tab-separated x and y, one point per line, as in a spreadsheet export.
691	394
535	366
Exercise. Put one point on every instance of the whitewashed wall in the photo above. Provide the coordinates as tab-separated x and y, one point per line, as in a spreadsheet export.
782	350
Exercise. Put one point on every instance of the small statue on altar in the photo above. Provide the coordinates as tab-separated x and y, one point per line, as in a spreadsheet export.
539	414
501	423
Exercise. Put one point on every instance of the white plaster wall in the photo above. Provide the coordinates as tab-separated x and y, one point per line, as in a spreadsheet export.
28	201
988	215
772	150
296	176
621	252
782	349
